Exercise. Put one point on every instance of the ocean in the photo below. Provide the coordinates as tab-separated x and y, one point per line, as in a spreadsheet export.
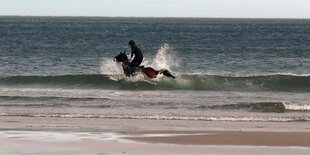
253	70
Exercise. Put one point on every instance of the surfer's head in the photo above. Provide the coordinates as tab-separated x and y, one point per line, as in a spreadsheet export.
131	42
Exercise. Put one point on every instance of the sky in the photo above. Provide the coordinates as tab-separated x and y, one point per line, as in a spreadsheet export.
159	8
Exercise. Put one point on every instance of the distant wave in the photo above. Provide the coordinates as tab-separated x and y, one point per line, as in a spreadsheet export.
32	101
275	107
44	98
277	82
159	117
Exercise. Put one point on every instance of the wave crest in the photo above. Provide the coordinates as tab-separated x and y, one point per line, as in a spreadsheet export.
182	82
158	117
274	107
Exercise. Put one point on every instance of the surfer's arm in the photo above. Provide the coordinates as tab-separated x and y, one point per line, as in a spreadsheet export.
131	54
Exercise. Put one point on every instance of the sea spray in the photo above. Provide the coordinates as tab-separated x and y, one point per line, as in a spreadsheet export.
110	67
165	58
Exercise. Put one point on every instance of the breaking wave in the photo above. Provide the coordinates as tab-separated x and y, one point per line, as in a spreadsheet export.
182	82
274	107
159	117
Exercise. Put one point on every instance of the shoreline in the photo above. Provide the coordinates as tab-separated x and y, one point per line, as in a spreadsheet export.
143	125
41	135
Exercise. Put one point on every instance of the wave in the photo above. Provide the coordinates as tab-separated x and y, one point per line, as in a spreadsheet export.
45	98
275	82
160	117
274	107
33	101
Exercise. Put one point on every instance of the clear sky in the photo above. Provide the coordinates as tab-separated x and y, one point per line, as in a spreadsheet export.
159	8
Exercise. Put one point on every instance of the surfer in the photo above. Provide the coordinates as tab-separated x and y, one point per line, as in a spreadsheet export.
135	50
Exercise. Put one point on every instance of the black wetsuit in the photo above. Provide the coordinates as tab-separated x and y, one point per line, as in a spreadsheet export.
135	50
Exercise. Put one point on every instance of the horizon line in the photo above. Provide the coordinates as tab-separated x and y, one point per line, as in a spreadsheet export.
189	17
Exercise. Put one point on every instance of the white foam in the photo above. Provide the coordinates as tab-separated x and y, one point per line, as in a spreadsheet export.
156	117
60	135
110	67
297	107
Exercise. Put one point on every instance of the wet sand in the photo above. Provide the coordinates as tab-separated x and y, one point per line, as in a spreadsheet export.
93	147
245	138
40	135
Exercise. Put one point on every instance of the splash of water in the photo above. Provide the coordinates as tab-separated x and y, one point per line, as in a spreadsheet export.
164	58
110	67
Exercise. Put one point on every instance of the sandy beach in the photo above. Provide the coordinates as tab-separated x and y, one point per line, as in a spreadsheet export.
245	138
39	135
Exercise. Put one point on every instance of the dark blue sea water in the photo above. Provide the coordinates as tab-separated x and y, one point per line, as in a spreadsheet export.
227	69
